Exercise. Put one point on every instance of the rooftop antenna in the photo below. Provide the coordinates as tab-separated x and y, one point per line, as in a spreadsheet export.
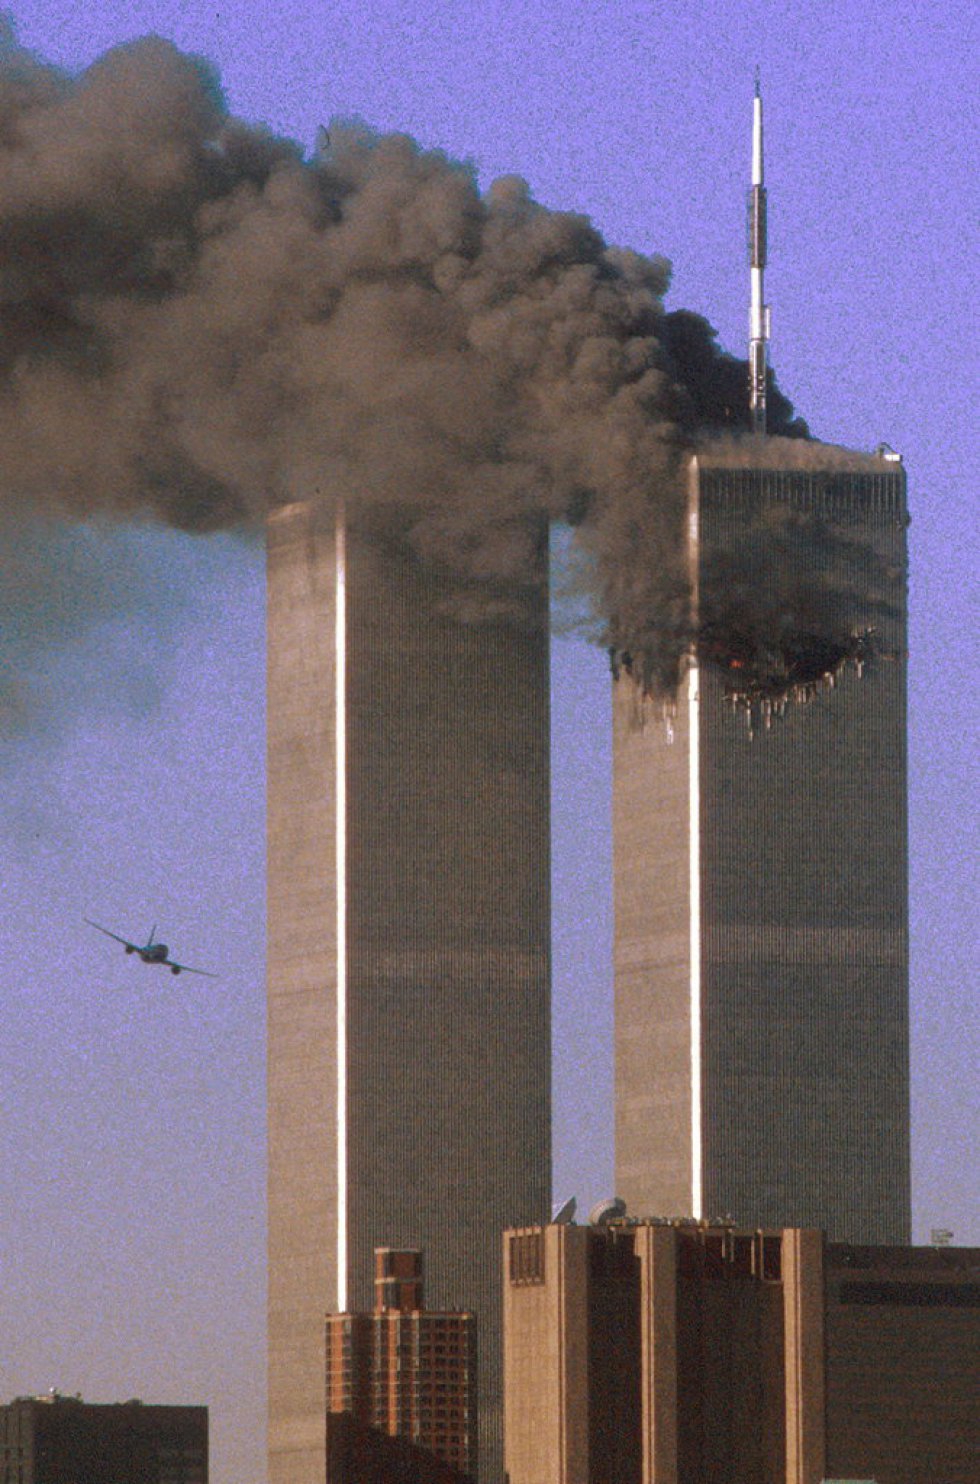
759	310
564	1214
613	1208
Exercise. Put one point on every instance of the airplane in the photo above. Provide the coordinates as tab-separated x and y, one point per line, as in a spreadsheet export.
151	952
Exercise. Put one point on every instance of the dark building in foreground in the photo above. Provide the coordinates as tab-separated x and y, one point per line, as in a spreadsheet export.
655	1353
408	954
761	932
405	1371
57	1439
358	1454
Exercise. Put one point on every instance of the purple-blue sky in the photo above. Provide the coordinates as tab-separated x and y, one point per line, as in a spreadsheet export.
131	1105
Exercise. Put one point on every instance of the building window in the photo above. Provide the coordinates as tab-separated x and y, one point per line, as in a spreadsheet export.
527	1258
913	1295
772	1258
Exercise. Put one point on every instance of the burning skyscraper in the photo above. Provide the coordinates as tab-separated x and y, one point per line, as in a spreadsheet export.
210	328
761	907
761	882
409	1044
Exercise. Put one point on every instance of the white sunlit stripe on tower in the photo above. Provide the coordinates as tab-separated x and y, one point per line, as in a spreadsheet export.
340	809
694	845
694	796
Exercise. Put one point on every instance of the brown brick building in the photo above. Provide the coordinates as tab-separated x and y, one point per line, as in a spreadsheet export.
403	1371
57	1439
657	1353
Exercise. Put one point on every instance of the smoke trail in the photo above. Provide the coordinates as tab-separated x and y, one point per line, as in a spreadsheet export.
196	324
90	614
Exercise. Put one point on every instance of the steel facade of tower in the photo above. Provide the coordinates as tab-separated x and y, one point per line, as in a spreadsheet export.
761	938
408	955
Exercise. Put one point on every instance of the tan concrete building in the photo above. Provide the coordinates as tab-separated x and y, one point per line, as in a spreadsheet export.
761	923
405	1370
408	954
652	1353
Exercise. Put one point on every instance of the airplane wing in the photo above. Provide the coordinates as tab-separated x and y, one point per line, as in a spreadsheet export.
186	969
124	941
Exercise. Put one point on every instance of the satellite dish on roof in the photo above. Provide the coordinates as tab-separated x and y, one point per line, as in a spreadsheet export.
564	1214
608	1210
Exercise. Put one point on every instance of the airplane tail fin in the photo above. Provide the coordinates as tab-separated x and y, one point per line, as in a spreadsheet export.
153	933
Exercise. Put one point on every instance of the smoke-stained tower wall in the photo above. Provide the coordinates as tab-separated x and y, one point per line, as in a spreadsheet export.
761	937
408	954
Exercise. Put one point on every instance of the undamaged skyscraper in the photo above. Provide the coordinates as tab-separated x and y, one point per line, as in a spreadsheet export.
408	953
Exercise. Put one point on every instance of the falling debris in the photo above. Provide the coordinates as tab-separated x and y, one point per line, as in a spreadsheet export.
762	689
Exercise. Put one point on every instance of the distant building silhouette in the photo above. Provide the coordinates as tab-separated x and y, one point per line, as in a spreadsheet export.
404	1371
57	1439
652	1353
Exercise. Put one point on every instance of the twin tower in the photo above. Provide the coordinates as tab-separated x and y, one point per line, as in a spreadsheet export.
760	939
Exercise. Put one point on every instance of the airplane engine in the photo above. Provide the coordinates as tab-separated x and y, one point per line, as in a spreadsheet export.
128	948
175	968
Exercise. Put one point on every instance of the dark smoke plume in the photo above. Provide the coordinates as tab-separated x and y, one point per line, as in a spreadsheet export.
197	323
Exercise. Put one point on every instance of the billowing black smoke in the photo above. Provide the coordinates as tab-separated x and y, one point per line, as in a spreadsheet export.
197	323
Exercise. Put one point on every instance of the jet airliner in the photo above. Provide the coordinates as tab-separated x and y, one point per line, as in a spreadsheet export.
151	952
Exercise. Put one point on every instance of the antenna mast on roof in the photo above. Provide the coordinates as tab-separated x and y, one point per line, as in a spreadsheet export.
759	309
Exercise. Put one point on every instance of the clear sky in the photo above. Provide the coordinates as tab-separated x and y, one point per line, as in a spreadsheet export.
132	1105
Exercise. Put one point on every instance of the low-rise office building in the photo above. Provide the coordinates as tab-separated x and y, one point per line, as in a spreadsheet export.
652	1352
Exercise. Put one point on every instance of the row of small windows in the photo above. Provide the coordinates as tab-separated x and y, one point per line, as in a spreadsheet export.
431	1383
841	491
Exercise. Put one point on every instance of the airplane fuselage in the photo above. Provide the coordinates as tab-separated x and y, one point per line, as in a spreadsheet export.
150	952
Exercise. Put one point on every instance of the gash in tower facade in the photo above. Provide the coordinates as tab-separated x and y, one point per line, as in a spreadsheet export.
408	954
761	938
